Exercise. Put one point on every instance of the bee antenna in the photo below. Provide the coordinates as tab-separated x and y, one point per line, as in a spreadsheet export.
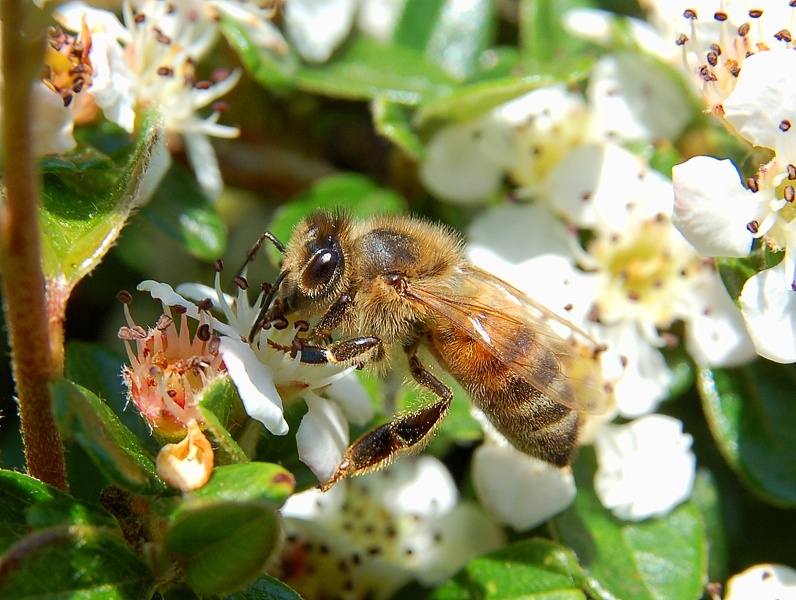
252	253
258	323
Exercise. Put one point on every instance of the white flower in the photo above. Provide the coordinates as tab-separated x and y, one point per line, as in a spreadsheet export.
519	490
644	468
148	62
369	534
318	27
763	582
266	374
632	280
717	37
51	123
722	217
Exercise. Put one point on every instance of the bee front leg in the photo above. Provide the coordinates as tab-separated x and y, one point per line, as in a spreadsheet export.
361	350
403	434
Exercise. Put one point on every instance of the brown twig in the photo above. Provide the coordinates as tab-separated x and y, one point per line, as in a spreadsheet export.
23	286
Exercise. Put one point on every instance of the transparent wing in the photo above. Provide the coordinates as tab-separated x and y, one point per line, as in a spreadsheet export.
546	351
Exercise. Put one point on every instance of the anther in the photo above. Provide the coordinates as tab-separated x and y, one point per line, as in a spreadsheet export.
681	39
743	30
756	13
720	16
783	35
165	71
205	304
164	322
203	332
791	172
784	125
690	14
753	227
124	297
790	193
179	309
241	282
218	265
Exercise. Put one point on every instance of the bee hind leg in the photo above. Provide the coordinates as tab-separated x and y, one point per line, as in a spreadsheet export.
406	433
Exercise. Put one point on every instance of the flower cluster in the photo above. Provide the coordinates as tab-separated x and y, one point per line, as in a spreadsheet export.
264	371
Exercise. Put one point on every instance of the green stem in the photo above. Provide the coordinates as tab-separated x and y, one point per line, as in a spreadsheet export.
23	284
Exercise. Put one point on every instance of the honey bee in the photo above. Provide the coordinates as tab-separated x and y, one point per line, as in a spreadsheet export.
399	282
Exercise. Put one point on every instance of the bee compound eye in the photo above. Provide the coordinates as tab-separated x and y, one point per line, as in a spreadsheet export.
320	270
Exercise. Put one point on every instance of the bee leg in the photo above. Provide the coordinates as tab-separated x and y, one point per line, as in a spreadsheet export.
403	434
333	317
360	349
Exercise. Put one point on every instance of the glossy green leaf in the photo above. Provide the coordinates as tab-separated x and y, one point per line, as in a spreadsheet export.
52	513
264	587
448	36
181	210
224	545
537	568
543	40
394	122
656	559
87	420
751	412
86	199
96	367
707	498
19	492
475	99
362	69
63	563
246	482
351	192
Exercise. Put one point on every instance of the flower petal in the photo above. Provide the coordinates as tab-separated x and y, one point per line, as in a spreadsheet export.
519	490
466	162
317	27
255	384
763	582
762	100
645	468
352	398
768	306
322	436
712	208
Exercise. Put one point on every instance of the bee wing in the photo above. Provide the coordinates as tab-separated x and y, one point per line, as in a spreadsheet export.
523	335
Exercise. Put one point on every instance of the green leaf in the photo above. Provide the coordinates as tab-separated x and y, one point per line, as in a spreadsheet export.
448	36
475	99
394	121
750	412
707	499
653	559
222	546
246	482
96	367
365	69
181	210
735	271
351	192
536	568
18	492
87	420
544	43
52	513
63	563
86	199
360	70
264	587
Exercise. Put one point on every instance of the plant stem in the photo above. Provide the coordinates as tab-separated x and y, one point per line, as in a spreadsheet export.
23	284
